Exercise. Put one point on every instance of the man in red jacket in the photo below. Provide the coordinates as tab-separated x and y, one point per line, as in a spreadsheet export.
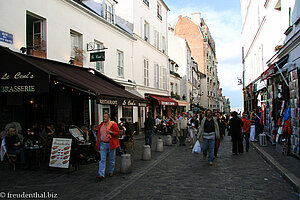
107	143
246	130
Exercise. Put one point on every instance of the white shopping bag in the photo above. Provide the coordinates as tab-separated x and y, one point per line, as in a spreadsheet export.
197	148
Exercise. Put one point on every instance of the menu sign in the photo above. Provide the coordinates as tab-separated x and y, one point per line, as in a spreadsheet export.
60	153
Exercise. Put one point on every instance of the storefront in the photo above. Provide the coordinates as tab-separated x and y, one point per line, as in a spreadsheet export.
162	106
42	91
284	112
249	98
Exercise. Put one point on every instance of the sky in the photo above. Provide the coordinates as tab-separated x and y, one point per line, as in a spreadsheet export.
224	21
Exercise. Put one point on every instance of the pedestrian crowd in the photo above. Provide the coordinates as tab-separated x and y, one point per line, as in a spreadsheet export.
208	127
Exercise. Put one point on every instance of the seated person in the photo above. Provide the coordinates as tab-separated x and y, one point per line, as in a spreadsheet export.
31	137
14	145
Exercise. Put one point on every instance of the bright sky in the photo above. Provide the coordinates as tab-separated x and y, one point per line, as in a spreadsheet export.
224	21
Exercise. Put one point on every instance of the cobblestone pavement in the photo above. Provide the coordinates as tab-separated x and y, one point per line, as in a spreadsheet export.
175	173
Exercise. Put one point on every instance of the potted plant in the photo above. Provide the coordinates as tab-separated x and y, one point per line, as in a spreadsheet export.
78	56
278	47
38	48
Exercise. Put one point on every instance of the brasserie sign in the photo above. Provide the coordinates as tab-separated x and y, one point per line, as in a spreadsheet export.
14	83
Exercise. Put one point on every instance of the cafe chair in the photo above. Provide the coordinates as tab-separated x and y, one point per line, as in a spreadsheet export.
7	159
131	140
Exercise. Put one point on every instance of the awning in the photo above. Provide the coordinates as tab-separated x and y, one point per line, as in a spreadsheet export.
270	71
162	100
87	80
182	103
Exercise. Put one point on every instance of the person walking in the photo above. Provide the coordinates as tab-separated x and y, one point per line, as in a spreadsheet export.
246	130
149	128
222	127
107	143
208	132
182	128
235	130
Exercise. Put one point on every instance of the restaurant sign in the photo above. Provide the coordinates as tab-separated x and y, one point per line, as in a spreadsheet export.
108	101
60	152
129	103
167	103
19	86
98	56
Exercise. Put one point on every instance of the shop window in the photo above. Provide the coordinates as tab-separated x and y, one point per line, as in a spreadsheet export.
99	64
127	113
36	35
120	63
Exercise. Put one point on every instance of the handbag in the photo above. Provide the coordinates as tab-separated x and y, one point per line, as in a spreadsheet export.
197	148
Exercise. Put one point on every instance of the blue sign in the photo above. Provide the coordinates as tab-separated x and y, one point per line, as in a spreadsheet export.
6	37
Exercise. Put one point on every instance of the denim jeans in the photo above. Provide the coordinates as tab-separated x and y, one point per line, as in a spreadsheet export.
20	153
208	144
148	137
104	149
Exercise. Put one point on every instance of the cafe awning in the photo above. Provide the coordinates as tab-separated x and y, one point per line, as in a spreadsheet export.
162	100
87	80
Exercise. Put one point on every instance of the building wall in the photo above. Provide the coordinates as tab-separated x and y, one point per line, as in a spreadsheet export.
263	28
188	30
137	12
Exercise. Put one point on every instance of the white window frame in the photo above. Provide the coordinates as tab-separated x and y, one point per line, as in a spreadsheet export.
76	41
164	77
156	75
146	31
146	72
120	63
99	65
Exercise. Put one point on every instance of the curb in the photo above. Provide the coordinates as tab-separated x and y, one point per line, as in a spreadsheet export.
290	177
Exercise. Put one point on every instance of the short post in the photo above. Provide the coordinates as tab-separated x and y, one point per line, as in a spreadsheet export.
169	140
125	163
146	153
159	145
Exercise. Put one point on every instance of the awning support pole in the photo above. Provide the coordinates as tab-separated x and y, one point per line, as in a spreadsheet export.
282	75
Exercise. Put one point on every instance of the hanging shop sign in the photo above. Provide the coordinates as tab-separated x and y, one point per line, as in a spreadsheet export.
98	56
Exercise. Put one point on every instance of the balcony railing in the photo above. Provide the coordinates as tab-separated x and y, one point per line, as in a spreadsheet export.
146	2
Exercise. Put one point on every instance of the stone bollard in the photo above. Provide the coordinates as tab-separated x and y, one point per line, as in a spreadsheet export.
160	145
125	163
169	140
146	153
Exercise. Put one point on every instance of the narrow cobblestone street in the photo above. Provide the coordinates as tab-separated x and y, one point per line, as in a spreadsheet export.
175	173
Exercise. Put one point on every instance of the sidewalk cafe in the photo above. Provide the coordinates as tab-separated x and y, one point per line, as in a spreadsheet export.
48	96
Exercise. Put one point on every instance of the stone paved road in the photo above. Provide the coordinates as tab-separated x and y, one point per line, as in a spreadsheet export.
174	174
183	175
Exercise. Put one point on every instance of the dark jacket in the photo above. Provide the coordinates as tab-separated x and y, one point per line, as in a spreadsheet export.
149	123
235	125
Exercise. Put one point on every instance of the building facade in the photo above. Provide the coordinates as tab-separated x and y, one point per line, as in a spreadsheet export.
71	32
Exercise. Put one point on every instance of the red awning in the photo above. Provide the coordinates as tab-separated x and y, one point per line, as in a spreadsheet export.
163	100
267	73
